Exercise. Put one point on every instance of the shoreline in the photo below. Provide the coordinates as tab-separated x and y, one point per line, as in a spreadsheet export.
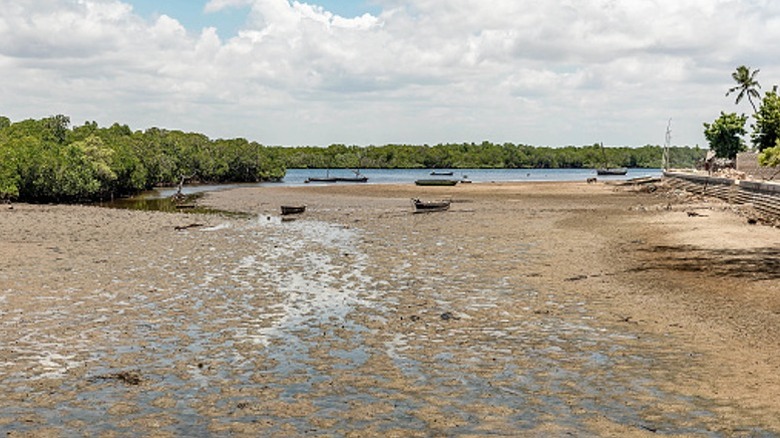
689	303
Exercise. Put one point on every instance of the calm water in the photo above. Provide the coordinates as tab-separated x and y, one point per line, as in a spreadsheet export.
297	177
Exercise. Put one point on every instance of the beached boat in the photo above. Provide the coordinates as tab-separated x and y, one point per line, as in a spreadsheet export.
293	209
428	206
441	173
436	182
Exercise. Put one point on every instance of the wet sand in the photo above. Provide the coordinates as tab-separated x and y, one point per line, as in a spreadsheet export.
526	309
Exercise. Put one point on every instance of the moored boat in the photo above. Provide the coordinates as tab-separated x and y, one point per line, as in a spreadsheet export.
606	170
441	173
611	171
359	178
356	178
324	179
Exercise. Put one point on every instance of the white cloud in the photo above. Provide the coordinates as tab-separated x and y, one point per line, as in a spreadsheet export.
423	71
219	5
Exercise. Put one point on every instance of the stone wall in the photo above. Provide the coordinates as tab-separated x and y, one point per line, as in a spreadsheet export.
763	196
747	162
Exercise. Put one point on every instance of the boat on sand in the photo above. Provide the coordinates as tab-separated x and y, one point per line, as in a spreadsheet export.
292	209
436	182
429	206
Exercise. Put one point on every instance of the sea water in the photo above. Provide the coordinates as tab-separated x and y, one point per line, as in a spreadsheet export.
297	177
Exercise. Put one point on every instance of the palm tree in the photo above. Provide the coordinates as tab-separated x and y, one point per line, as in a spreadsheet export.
746	85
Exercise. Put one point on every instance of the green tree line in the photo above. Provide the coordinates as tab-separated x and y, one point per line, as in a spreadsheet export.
47	160
483	155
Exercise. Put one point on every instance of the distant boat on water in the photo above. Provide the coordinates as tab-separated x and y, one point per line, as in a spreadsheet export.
441	173
606	170
334	179
357	178
611	171
325	179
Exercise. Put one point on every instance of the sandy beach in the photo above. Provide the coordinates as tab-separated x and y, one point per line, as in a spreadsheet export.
527	309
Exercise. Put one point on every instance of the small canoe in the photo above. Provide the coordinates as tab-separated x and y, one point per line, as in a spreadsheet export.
428	206
441	173
436	182
293	209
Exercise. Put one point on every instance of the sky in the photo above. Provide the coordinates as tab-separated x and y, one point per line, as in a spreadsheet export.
375	72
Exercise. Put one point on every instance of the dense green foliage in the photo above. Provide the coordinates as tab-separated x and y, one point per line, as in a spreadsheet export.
766	130
484	155
48	161
770	156
725	135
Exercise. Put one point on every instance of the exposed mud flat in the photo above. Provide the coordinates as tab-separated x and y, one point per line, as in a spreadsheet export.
533	309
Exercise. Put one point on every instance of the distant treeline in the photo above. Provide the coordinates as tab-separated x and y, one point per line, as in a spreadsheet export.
47	160
484	155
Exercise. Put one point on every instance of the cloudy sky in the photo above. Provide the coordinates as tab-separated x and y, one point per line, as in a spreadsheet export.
549	72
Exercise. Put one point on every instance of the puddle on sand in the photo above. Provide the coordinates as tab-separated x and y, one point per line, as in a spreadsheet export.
281	328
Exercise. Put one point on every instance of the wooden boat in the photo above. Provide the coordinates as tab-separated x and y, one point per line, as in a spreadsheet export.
293	209
606	170
356	178
334	179
324	179
438	173
611	171
429	206
436	182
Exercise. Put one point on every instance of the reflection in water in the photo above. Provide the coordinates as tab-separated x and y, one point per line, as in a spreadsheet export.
167	204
